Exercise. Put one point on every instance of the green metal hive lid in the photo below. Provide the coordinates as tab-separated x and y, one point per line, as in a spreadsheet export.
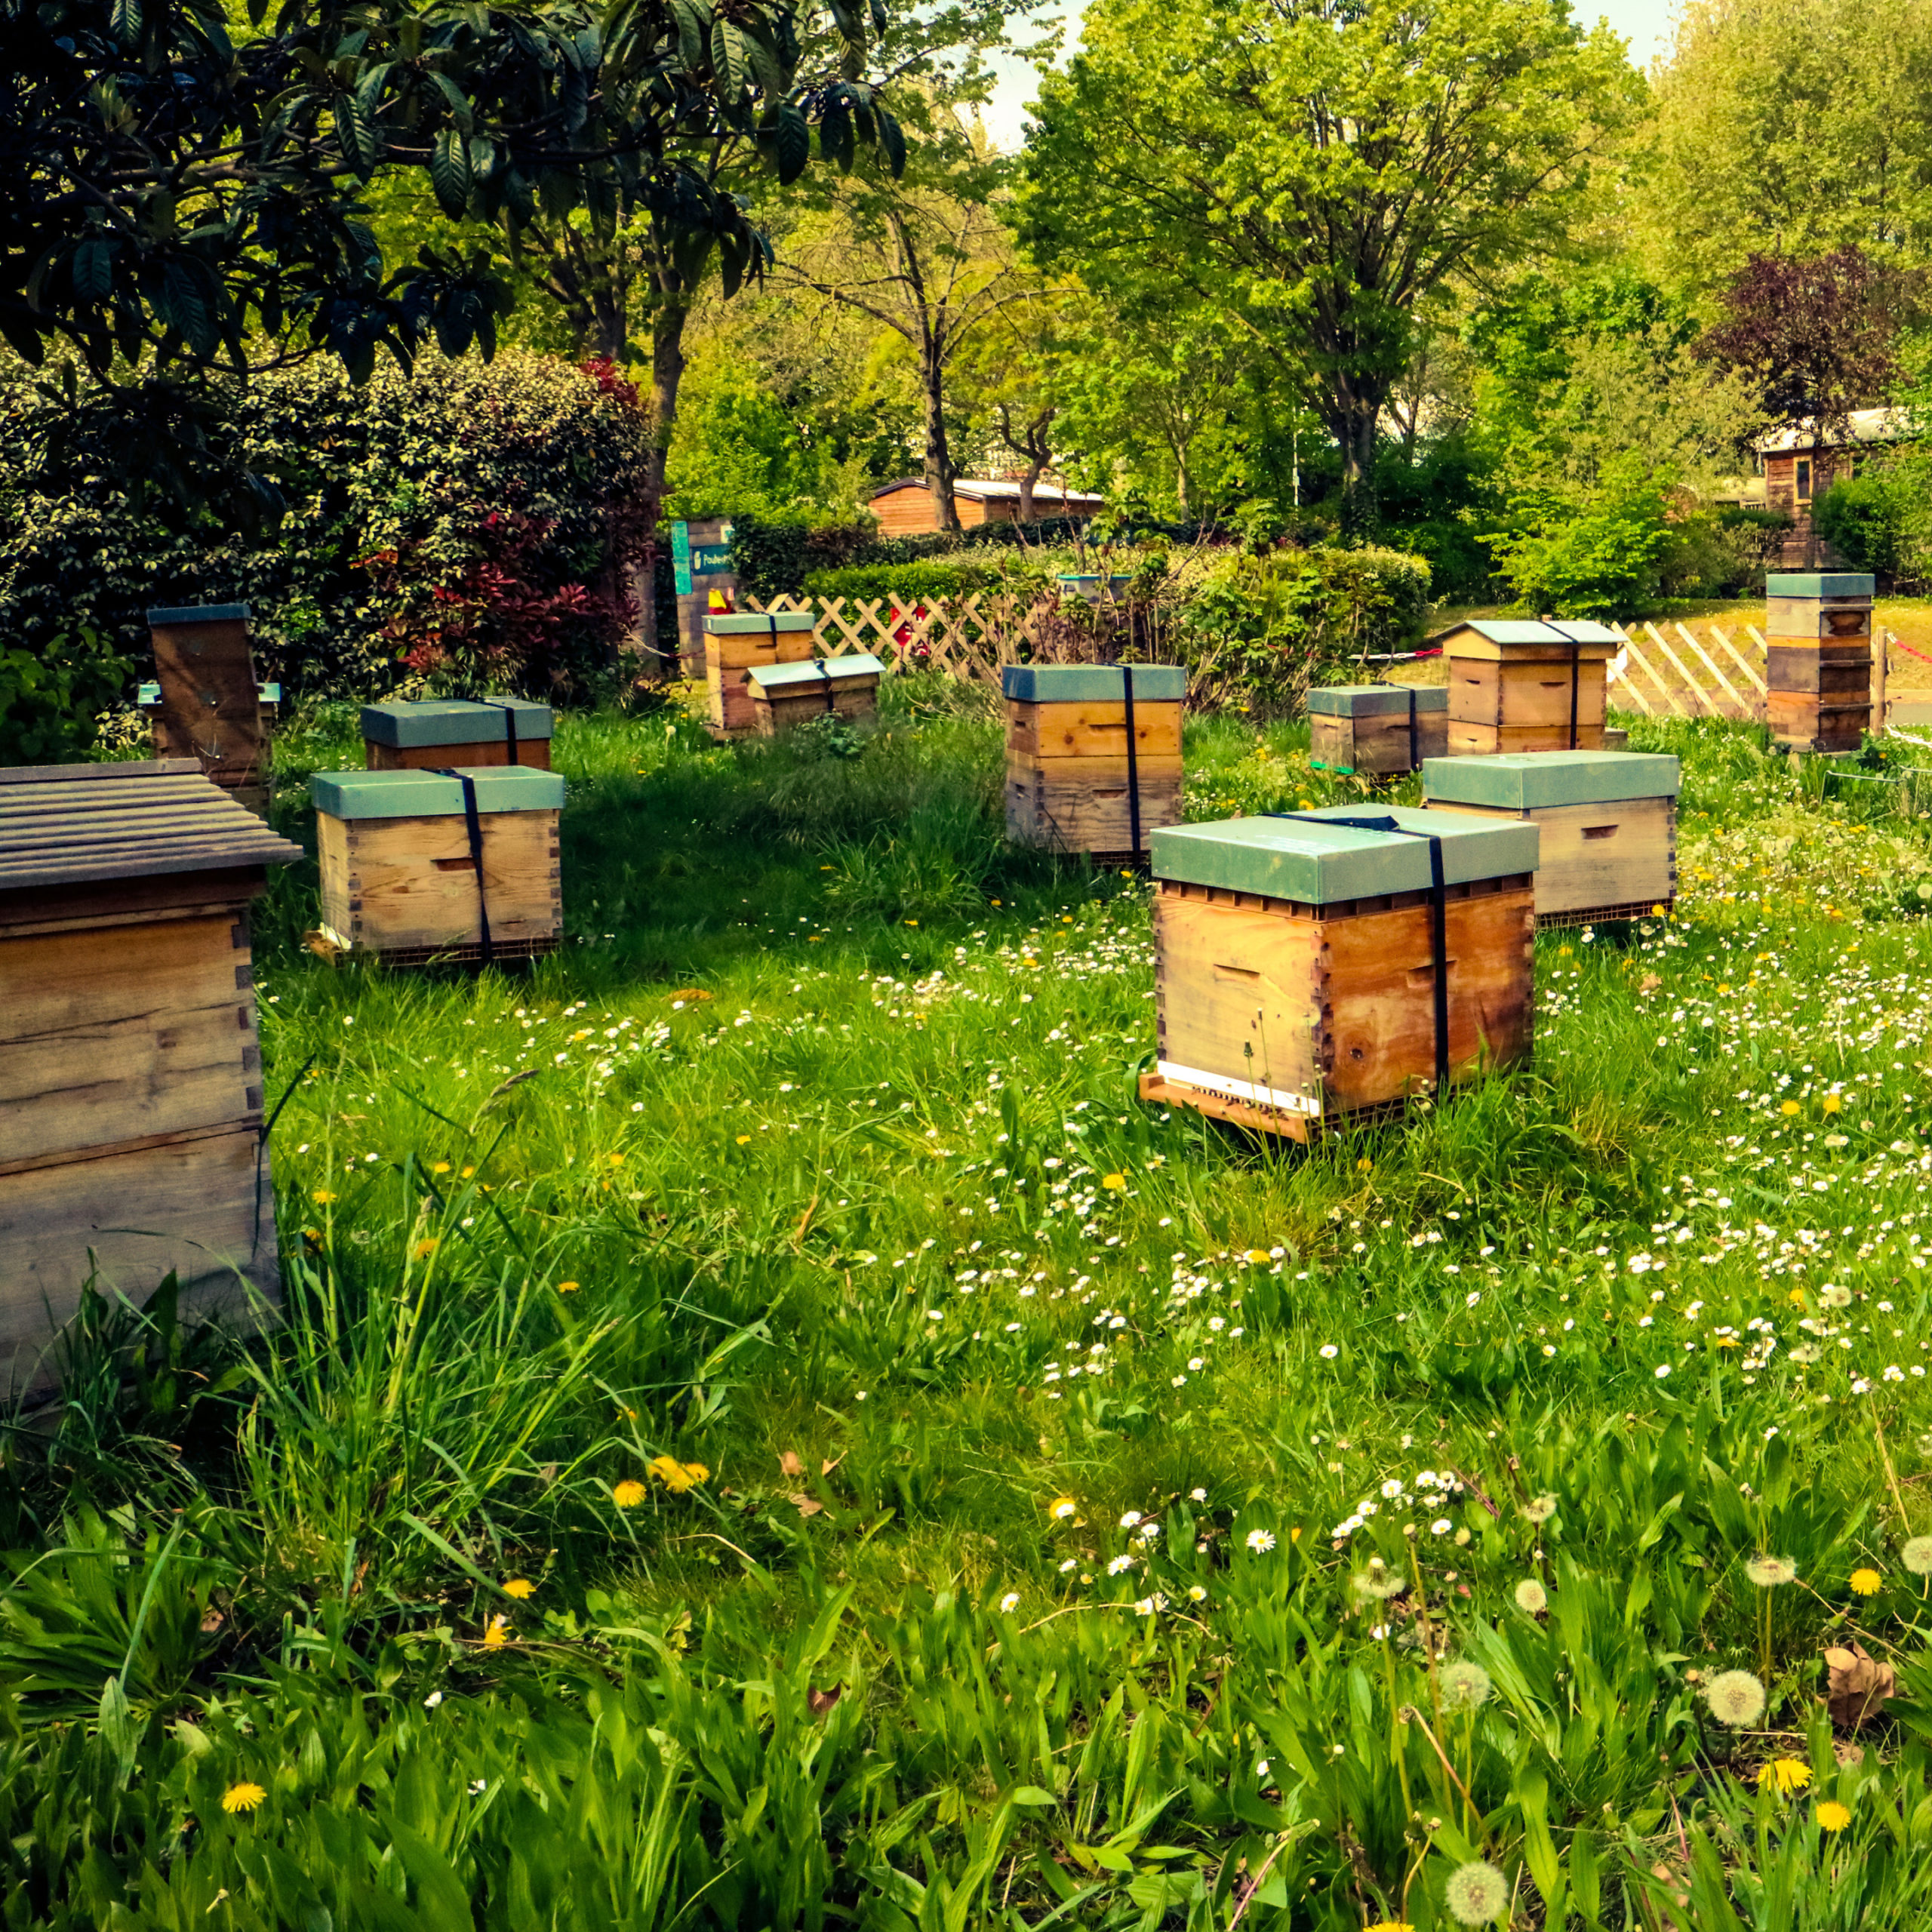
816	671
1520	781
744	624
1316	863
1376	700
499	788
201	613
1094	684
454	721
1820	584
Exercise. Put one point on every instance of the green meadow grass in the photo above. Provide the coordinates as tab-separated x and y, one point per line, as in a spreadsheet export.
768	1431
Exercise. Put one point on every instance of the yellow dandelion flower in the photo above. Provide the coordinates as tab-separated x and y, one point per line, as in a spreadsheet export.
628	1494
677	1477
1866	1582
519	1587
440	1167
1796	1298
1784	1775
495	1633
1062	1508
1832	1815
241	1798
1116	1181
425	1248
323	1196
567	1287
1257	1257
1788	1107
1834	1102
911	922
467	1172
1392	1925
744	1140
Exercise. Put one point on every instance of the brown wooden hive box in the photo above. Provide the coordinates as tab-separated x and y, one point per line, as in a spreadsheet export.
1608	822
1070	785
1517	686
785	696
130	1079
399	879
208	704
436	734
1377	730
1295	959
1818	658
733	644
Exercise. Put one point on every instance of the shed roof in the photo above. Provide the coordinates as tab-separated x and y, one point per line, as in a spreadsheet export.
987	489
66	824
1861	425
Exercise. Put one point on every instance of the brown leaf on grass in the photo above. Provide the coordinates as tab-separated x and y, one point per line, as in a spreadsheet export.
826	1468
819	1702
1856	1685
806	1505
1650	982
789	1464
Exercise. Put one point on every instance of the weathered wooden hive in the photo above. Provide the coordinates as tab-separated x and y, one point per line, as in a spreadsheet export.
422	865
1518	686
1314	968
1608	822
1377	730
433	734
1818	659
131	1076
786	695
1092	755
735	645
207	703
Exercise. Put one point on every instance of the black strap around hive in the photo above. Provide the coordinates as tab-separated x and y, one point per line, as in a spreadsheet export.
508	707
1133	762
825	672
1575	657
1438	917
475	827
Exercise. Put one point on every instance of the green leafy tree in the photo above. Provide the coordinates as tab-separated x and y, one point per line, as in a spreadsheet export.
1322	173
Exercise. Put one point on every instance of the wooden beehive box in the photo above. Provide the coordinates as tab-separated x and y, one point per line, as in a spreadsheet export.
131	1076
1377	730
1608	822
1071	785
786	695
435	734
1818	659
1517	686
209	703
733	645
399	879
1298	958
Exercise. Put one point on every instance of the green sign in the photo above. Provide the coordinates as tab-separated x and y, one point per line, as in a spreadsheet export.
690	561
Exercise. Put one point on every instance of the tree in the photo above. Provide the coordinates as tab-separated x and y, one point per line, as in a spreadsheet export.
1319	172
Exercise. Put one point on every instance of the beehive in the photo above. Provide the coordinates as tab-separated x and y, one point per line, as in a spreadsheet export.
785	695
1377	730
131	1080
1078	780
1310	971
1818	659
1608	822
734	645
1516	686
400	875
435	734
208	702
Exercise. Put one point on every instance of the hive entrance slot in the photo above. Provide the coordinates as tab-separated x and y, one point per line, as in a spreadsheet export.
1599	832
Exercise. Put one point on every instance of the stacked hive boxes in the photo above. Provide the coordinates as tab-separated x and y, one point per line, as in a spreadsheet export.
735	646
1515	686
1079	777
786	695
1319	966
1377	730
430	734
1818	659
417	864
130	1081
206	703
1608	821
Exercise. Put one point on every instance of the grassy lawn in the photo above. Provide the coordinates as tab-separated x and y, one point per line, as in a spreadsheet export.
768	1432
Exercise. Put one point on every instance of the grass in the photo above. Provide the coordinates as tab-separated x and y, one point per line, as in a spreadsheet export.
768	1431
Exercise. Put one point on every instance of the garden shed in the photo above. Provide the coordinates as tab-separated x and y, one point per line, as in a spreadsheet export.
906	508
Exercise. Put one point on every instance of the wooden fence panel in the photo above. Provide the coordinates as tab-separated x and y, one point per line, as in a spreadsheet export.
1690	694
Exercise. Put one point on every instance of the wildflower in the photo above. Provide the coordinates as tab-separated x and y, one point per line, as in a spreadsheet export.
1831	1295
425	1248
1464	1686
1768	1572
1131	1519
1832	1103
519	1587
1116	1182
1784	1775
1392	1925
627	1494
495	1633
241	1798
1062	1508
1832	1815
1377	1581
439	1168
744	1140
1119	1566
1257	1257
1531	1597
1328	1351
1788	1107
430	1702
1009	1603
1539	1508
567	1287
1866	1582
1917	1556
1261	1541
678	1477
1736	1698
1476	1893
1196	1593
323	1196
1197	1496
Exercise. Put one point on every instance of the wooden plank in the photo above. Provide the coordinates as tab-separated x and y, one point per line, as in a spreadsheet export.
1621	679
210	707
1086	816
1605	854
534	753
1880	665
1743	662
1711	665
1378	746
1705	702
1486	740
1155	768
1159	1091
776	713
1536	694
1669	696
1091	731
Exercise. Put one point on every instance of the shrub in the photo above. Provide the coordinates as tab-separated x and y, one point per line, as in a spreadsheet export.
1869	520
908	582
1595	555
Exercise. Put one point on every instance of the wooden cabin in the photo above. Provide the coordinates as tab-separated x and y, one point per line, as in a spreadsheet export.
1818	658
785	696
1377	730
1608	822
430	733
906	508
1516	685
1310	972
1084	773
208	704
419	866
131	1073
1802	462
734	645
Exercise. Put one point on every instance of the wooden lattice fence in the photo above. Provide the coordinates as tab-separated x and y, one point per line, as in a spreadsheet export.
1716	676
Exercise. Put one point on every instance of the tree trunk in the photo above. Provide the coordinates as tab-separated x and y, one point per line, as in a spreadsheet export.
655	648
1353	414
939	469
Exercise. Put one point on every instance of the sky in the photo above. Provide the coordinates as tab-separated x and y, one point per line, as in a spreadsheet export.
1645	24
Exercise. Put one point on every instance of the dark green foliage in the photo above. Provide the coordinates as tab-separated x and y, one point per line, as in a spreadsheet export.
1869	520
774	559
51	695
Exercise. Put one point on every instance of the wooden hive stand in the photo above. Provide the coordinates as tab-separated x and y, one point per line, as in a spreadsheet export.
1818	659
1516	686
430	734
733	645
784	696
131	1076
1608	822
401	877
1377	730
1312	975
1077	779
206	703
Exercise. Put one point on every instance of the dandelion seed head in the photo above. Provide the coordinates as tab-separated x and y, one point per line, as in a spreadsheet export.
1531	1597
1917	1556
1477	1893
1736	1698
1464	1686
1769	1572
